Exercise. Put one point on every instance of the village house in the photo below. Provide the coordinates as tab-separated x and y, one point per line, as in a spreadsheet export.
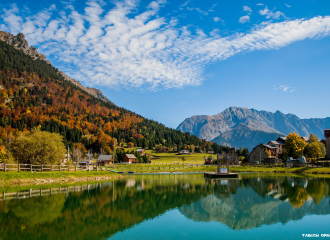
141	152
281	140
275	148
279	146
257	154
104	159
327	140
271	149
183	152
129	158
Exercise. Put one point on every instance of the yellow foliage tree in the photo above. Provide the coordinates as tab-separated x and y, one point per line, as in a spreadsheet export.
294	145
314	148
39	147
3	153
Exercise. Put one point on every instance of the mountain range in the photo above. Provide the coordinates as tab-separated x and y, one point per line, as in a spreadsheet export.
243	127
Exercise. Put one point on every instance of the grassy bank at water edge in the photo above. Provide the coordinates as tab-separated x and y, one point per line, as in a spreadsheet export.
29	178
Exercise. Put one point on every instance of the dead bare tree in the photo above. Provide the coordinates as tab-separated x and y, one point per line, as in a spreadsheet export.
76	154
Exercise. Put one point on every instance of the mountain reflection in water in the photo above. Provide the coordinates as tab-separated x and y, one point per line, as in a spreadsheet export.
113	207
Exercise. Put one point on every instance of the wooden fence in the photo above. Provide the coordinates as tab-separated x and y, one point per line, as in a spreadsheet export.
46	168
44	192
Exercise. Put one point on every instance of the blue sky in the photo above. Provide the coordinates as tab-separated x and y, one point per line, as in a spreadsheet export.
169	60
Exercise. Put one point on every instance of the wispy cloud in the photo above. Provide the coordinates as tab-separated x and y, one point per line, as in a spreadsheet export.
198	10
244	19
121	48
260	4
271	14
247	9
217	19
185	3
212	8
287	5
285	88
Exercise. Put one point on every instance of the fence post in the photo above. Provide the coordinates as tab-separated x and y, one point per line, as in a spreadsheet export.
30	167
88	168
75	168
97	168
51	168
60	167
18	167
42	168
5	167
68	167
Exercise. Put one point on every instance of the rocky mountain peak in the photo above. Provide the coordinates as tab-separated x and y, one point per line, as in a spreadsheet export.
19	42
243	127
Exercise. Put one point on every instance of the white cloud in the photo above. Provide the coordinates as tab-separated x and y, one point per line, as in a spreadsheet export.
271	14
185	3
244	19
260	4
247	9
285	88
287	5
198	10
217	19
121	48
212	8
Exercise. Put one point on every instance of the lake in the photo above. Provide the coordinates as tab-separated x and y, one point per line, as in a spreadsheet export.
170	206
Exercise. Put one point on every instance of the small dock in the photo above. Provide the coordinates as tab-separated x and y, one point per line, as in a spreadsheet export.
220	175
222	168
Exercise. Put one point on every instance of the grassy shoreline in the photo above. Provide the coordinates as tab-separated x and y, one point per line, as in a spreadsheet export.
16	179
300	170
10	179
208	168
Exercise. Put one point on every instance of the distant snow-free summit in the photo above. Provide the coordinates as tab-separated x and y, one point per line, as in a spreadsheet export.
243	127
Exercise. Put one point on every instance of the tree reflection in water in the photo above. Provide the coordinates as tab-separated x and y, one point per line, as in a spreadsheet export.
115	206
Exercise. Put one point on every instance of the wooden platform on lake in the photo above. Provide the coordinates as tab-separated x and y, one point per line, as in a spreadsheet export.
220	175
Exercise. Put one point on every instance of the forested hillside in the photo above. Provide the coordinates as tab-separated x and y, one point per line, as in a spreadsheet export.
33	93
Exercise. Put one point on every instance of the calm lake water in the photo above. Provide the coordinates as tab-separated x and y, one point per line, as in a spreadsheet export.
177	206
